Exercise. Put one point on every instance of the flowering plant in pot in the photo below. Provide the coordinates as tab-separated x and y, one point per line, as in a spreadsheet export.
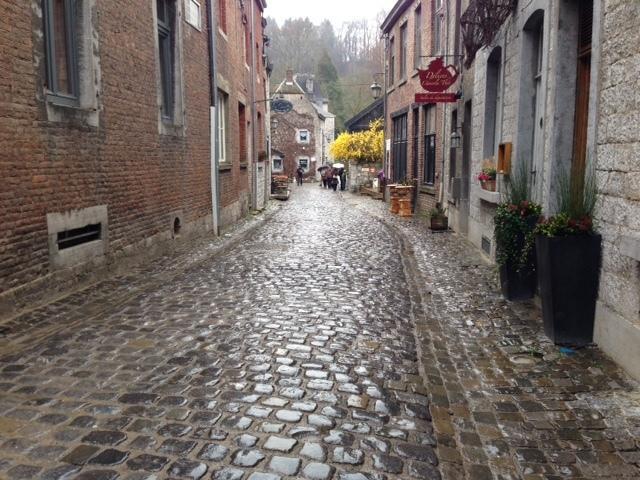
514	230
487	177
568	252
438	219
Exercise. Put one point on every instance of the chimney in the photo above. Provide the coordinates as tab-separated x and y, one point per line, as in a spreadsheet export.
325	105
310	85
289	76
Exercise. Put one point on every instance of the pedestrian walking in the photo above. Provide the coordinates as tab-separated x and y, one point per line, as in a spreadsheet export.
300	175
329	178
334	179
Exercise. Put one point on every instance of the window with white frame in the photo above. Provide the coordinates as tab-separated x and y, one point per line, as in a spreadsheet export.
193	14
304	163
223	117
277	164
303	136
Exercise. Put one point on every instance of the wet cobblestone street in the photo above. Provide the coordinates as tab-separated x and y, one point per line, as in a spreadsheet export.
334	341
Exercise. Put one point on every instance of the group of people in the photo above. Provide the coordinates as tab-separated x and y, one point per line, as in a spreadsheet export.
334	178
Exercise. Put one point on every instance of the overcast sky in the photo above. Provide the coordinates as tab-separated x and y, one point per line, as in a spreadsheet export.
336	11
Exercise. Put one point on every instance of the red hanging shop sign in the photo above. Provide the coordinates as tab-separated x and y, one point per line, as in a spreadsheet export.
436	80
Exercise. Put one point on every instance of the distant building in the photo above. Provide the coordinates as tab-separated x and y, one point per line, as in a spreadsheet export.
361	120
302	136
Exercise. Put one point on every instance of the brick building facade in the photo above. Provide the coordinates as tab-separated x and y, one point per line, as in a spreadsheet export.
302	136
413	131
106	134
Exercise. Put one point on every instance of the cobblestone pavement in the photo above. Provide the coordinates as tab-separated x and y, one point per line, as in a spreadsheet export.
292	355
506	403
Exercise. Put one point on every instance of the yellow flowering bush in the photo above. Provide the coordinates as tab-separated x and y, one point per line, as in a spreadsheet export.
361	147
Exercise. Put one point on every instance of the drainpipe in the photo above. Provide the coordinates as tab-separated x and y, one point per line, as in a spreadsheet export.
444	115
254	116
213	143
386	168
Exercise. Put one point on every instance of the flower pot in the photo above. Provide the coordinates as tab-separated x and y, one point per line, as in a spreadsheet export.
517	281
568	275
488	185
439	223
518	284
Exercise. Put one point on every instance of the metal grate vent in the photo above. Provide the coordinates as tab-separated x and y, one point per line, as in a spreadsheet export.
486	245
78	236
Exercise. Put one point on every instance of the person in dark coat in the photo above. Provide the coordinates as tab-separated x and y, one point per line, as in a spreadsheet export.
300	175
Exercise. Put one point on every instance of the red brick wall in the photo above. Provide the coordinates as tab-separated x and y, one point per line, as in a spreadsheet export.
232	67
125	163
401	95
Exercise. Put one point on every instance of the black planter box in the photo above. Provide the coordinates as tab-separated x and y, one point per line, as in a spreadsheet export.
568	275
518	284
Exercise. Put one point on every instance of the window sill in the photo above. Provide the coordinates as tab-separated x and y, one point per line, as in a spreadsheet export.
171	129
64	102
244	166
224	167
489	197
428	189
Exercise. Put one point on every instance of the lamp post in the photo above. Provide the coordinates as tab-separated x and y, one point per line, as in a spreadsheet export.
376	90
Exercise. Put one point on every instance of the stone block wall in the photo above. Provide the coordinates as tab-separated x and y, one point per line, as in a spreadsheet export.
618	180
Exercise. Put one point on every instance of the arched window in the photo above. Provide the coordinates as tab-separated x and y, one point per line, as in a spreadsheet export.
531	110
493	100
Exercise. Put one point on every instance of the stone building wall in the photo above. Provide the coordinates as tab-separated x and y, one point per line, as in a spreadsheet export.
618	179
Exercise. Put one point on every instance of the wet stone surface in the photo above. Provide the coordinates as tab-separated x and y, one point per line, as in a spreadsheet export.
293	355
506	403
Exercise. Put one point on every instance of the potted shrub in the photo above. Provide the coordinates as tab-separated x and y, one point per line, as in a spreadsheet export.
514	231
569	254
487	177
438	219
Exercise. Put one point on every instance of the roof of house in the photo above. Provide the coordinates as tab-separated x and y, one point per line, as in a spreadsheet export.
395	13
291	88
360	120
322	112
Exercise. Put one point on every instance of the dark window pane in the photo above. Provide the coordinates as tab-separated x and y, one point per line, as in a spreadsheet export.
162	10
61	52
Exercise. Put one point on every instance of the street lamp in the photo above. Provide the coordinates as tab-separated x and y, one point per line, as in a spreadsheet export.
376	90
